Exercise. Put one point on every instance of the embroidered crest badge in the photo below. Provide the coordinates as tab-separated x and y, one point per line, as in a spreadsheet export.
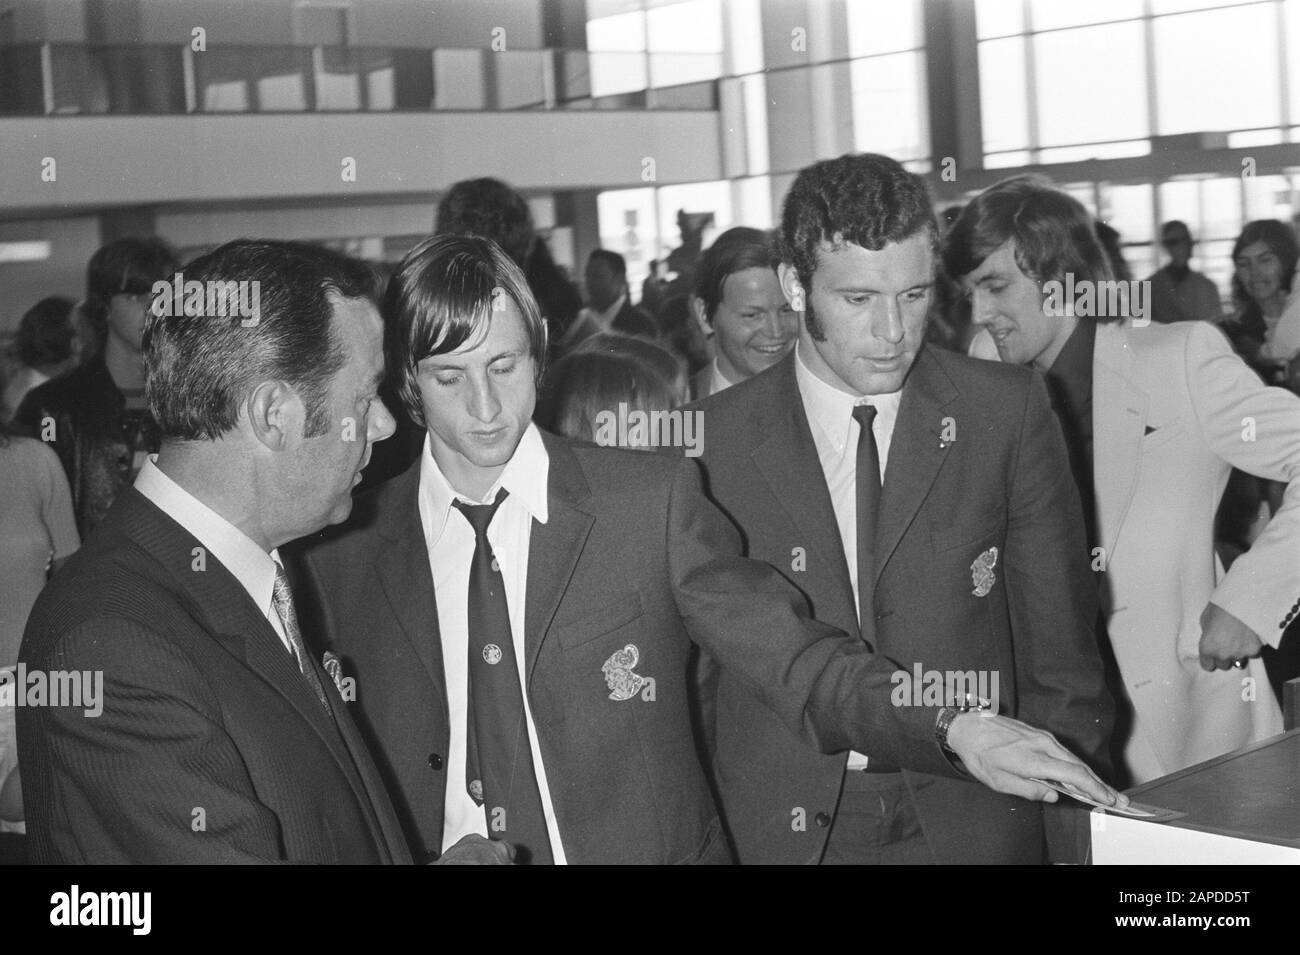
981	572
622	682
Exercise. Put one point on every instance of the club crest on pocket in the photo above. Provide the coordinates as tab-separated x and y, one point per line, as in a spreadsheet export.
981	572
622	682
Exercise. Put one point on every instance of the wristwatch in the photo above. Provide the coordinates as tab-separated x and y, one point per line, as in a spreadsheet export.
947	714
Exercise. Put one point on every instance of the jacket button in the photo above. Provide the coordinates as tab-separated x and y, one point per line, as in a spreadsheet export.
822	819
435	761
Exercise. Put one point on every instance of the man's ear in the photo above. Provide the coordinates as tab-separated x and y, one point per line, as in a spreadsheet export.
276	415
701	316
792	287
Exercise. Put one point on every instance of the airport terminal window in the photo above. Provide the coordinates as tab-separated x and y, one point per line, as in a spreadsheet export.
884	27
1213	66
1218	70
889	94
1091	84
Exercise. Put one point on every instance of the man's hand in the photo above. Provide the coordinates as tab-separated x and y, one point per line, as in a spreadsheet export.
1225	640
1008	756
475	850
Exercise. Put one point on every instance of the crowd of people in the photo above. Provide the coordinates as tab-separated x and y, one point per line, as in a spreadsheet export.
862	470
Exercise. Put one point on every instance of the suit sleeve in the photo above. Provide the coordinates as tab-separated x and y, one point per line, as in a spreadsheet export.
826	686
1257	429
134	775
1053	595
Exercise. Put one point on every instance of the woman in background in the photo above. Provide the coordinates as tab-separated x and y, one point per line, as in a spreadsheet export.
1266	326
37	534
612	375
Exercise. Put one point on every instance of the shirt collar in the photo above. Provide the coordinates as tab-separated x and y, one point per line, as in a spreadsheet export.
832	409
606	318
524	476
1073	364
717	380
253	567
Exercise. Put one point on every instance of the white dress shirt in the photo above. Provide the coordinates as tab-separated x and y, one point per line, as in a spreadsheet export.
717	380
253	567
835	433
604	319
450	541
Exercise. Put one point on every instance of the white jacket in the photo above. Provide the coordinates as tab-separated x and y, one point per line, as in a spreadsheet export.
1173	411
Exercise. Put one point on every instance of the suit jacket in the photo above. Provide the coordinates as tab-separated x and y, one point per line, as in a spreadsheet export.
632	554
1174	410
211	746
997	478
629	320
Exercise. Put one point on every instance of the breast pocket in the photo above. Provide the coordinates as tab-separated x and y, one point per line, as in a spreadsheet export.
1162	436
945	536
613	616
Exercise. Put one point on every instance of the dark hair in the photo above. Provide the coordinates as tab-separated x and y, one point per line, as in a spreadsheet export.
863	198
45	332
616	262
1280	238
489	208
557	297
586	382
1109	238
1178	224
1052	232
682	333
131	265
736	250
200	369
653	356
443	295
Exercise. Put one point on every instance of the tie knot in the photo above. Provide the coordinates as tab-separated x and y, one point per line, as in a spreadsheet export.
864	415
480	515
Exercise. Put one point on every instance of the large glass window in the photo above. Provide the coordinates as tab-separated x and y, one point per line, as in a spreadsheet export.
1091	84
1100	71
886	93
1218	70
1004	104
685	41
884	27
1053	14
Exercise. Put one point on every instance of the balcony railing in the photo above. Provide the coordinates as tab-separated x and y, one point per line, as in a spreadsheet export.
57	79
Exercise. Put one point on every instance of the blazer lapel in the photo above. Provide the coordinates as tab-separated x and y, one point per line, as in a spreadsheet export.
916	452
555	546
786	457
235	622
1119	417
405	577
265	654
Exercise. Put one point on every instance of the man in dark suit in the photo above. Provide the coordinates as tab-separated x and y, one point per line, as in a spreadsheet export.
609	305
517	611
912	496
216	737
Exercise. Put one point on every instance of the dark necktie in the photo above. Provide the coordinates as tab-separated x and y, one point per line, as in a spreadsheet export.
282	597
867	476
499	761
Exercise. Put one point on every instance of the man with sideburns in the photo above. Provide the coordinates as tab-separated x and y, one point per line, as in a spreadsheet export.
518	611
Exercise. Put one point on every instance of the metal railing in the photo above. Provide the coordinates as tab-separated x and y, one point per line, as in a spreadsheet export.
59	79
